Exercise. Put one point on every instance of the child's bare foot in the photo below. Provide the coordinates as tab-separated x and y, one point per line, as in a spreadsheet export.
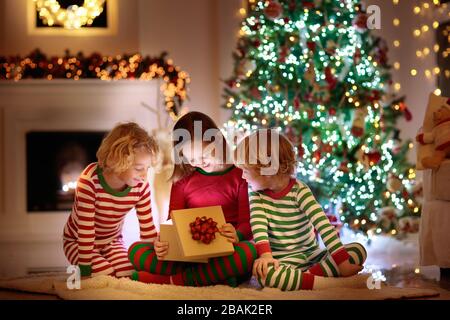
347	269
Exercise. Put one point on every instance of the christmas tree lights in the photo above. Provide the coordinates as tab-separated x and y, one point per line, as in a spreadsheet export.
313	70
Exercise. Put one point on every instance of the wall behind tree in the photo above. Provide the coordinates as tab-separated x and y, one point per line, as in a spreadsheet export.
187	30
415	88
200	36
2	27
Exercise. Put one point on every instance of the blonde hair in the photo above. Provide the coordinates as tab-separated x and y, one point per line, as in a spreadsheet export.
286	154
184	169
117	150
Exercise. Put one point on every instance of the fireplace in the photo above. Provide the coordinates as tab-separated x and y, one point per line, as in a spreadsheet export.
49	130
55	160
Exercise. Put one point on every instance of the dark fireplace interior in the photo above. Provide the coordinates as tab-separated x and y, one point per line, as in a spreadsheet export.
54	162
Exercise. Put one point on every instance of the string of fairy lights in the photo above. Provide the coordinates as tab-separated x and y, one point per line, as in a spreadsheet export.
427	16
107	68
268	104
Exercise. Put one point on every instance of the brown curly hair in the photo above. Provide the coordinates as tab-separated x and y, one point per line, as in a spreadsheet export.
117	150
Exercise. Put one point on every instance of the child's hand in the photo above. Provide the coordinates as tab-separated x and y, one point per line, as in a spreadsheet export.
161	248
229	232
348	269
261	265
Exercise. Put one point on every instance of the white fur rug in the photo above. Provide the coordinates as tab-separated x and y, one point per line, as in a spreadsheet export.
109	288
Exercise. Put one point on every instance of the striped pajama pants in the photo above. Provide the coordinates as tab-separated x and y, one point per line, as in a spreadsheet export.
230	270
290	273
110	259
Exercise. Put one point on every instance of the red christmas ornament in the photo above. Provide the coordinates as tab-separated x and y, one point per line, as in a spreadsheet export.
231	83
332	111
255	93
297	103
373	157
360	21
273	10
330	78
308	4
405	194
404	108
311	46
203	229
301	150
317	155
327	148
256	43
255	27
284	52
408	115
374	96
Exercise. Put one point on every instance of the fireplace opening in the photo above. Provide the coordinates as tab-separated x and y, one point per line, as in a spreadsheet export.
54	162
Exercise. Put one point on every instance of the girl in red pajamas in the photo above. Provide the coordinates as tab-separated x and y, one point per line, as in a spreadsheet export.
106	191
202	180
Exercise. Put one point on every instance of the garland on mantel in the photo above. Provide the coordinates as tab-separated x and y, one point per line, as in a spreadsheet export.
76	67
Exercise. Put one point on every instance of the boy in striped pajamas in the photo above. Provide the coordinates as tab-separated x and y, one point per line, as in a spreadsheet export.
283	216
106	191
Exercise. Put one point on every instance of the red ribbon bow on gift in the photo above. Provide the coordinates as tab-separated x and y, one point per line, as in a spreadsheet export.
204	229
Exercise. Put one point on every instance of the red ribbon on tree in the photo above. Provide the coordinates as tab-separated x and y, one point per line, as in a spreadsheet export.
405	110
204	229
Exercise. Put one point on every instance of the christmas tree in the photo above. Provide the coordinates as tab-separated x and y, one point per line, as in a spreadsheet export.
315	71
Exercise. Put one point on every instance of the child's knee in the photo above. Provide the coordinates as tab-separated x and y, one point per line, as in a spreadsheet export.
268	280
132	250
357	251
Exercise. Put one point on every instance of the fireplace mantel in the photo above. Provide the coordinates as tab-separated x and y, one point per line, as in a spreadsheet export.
59	105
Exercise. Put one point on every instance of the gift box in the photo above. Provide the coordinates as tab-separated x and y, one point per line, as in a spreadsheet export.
168	233
193	235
